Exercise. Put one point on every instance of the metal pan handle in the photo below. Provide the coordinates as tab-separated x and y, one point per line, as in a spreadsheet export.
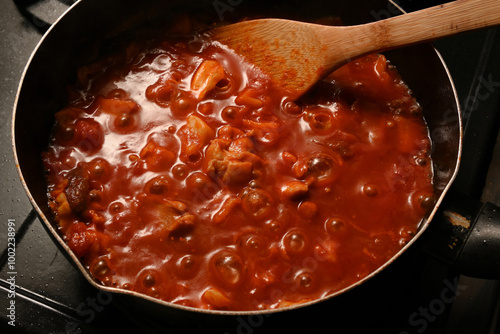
465	234
23	6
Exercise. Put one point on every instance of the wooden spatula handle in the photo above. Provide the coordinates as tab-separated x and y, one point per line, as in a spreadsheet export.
420	26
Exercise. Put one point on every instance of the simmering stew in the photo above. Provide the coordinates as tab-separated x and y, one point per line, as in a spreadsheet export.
179	171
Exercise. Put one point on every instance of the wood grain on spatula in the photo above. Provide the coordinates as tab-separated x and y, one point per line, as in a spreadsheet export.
296	54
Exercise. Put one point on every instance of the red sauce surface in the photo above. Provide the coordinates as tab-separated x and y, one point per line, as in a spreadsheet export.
177	170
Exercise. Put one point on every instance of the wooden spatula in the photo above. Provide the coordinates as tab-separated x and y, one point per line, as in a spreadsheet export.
297	54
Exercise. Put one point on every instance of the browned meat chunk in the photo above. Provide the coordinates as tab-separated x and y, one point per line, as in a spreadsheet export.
77	190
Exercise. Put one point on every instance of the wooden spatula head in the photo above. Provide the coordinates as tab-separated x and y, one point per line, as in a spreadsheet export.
289	52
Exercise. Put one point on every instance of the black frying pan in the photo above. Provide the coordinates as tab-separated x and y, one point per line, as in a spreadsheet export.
77	38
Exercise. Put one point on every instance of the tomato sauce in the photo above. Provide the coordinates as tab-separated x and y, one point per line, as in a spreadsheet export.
179	171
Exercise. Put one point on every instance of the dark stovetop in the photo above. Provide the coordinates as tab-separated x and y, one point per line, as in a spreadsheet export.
414	295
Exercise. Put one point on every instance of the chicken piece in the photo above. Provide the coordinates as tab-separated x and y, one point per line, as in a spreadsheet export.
241	149
168	215
195	135
232	160
206	78
237	172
